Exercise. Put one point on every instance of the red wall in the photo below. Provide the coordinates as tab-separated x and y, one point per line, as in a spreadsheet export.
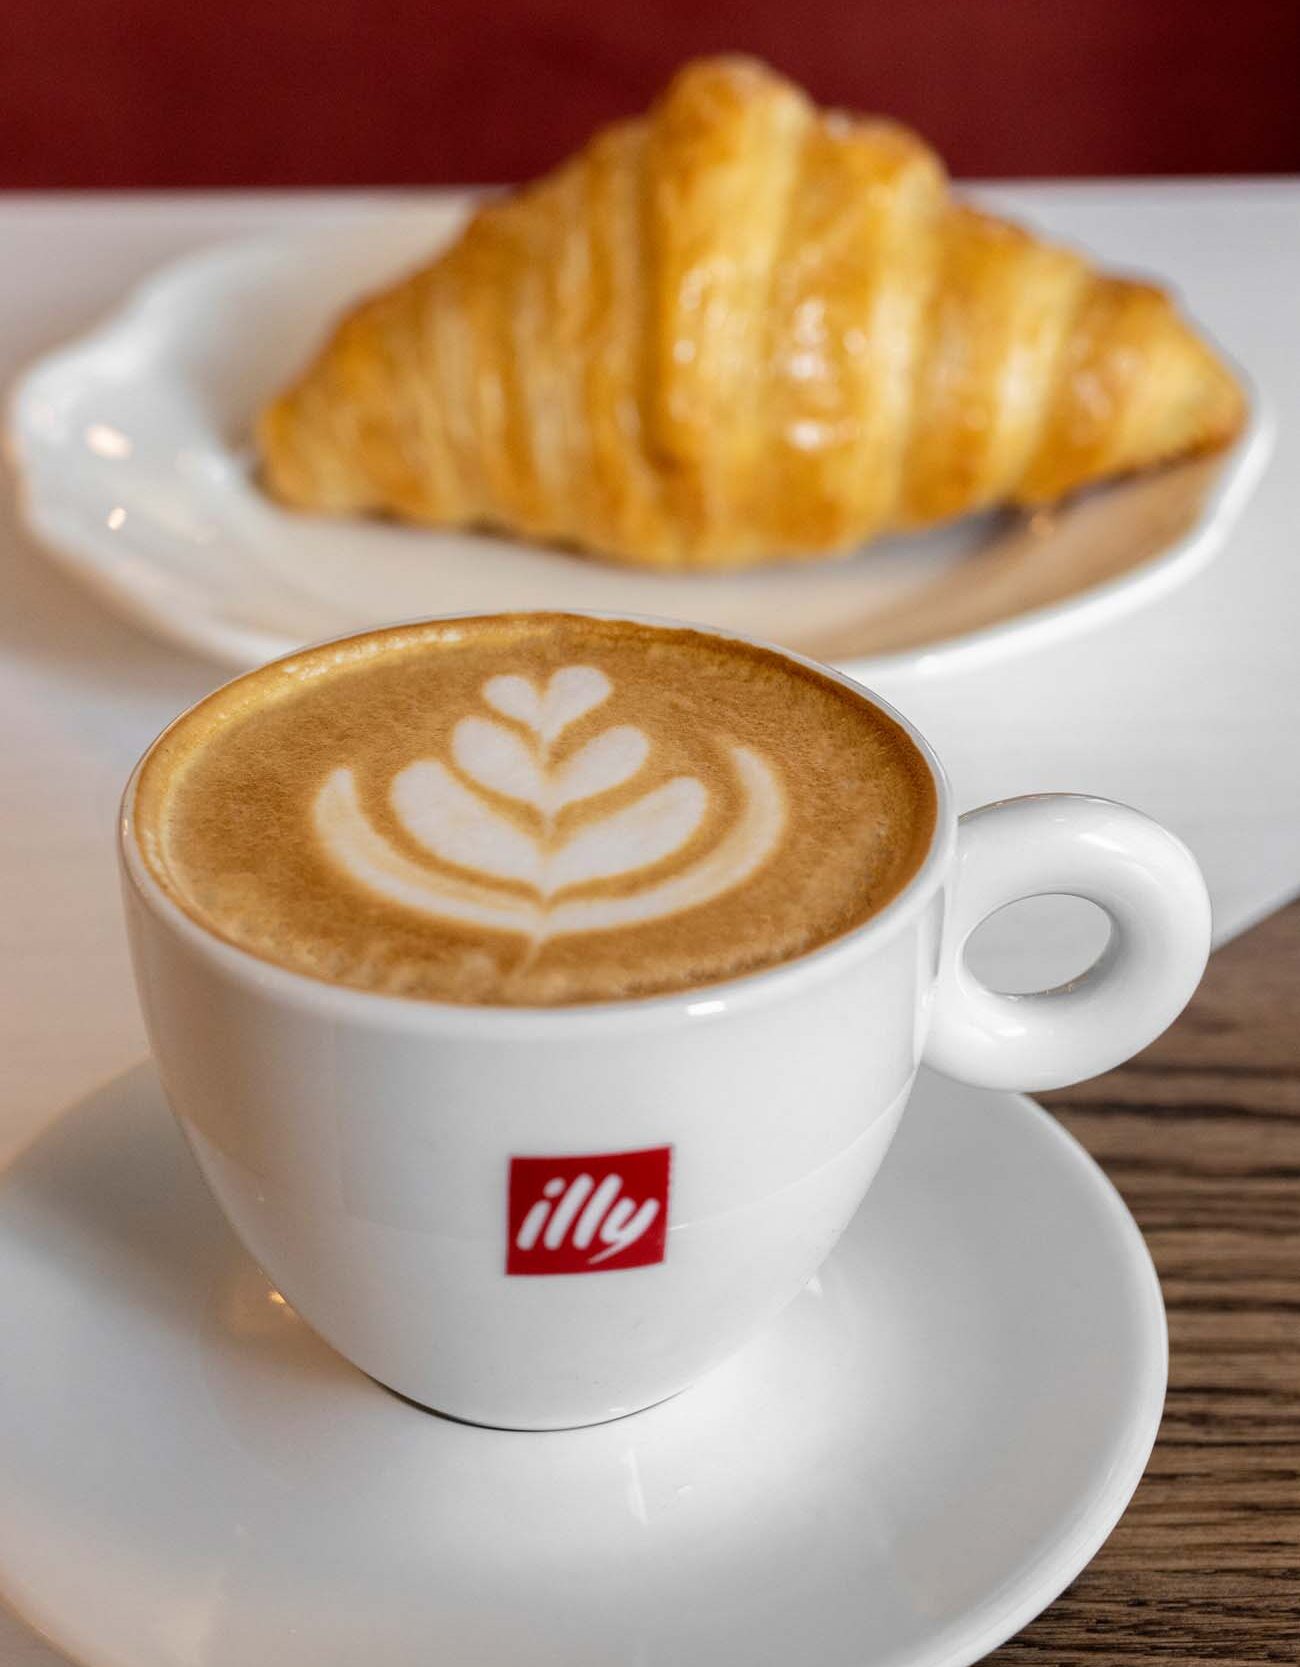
324	92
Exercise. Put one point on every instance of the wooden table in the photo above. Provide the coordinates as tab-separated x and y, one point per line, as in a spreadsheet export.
1201	1134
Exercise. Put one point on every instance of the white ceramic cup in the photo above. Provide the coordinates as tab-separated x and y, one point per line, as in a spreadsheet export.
546	1217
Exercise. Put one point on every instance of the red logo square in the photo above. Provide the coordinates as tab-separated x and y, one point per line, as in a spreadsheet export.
588	1214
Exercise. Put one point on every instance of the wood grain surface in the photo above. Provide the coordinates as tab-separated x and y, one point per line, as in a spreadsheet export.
1201	1134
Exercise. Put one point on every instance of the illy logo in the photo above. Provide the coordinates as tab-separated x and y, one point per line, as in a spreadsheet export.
589	1214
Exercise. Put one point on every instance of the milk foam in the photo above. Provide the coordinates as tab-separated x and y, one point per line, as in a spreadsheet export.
533	810
456	824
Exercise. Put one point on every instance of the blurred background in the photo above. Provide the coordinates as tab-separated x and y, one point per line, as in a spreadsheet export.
114	93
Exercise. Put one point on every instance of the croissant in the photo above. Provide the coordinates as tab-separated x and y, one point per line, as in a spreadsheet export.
736	330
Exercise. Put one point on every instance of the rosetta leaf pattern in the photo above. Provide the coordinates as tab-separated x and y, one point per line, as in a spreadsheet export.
453	811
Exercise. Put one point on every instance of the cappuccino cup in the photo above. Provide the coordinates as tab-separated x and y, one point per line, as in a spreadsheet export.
539	993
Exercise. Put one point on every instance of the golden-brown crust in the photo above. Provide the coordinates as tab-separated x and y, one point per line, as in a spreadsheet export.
738	330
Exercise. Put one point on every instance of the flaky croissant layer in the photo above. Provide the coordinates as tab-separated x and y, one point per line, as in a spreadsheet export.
737	330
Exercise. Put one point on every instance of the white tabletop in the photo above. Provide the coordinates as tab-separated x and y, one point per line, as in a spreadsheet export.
1190	709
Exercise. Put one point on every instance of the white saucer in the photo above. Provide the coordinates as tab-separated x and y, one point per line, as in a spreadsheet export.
133	452
911	1463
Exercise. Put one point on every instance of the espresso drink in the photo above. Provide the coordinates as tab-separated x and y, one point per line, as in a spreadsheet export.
533	809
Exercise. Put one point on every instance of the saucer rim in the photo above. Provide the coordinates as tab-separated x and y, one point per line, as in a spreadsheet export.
987	1623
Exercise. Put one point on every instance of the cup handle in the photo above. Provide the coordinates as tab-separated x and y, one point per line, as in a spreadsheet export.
1148	883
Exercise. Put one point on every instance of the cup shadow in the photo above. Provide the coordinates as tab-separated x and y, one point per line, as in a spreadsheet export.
110	1192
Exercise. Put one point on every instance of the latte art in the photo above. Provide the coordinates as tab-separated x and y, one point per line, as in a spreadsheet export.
449	815
533	809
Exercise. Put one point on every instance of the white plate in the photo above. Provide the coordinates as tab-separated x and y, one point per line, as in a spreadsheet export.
132	447
916	1458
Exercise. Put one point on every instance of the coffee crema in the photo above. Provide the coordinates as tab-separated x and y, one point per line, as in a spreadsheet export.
533	810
